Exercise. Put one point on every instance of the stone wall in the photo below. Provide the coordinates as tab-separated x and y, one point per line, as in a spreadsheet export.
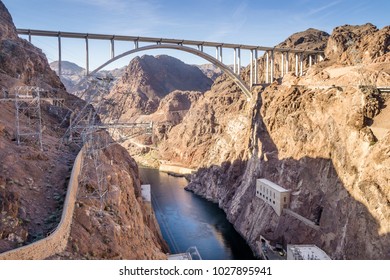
57	241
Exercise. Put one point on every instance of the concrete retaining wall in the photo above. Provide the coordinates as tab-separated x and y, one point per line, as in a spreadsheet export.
175	169
57	241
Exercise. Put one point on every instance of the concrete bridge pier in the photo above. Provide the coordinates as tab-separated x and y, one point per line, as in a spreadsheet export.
238	61
112	48
235	60
266	67
256	70
59	55
86	55
272	66
301	64
136	43
253	68
287	62
218	53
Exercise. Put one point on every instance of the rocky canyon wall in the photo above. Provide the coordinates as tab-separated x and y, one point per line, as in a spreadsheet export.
313	136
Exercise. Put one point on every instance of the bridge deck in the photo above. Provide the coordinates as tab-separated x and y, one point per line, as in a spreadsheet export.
76	35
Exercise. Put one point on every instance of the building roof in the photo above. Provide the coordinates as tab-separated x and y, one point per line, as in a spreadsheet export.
145	192
273	185
307	252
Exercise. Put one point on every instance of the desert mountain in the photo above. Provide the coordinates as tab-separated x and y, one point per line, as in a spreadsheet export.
149	79
34	182
313	135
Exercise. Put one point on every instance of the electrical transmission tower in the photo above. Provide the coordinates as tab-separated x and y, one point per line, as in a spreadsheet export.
28	115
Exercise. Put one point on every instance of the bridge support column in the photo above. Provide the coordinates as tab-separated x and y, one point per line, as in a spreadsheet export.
251	71
112	48
301	64
29	36
282	66
135	44
296	65
220	53
239	61
287	62
256	70
86	55
59	56
216	53
266	67
200	48
272	66
235	60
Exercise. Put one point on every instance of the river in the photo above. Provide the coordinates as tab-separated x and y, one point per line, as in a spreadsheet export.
188	220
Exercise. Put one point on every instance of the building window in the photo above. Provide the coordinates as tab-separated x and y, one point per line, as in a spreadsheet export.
285	199
274	201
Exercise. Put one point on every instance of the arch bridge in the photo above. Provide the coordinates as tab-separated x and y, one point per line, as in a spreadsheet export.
196	48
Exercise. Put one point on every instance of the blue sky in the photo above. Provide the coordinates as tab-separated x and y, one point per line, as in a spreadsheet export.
254	22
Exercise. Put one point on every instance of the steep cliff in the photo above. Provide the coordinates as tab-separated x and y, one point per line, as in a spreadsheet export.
311	135
33	182
111	220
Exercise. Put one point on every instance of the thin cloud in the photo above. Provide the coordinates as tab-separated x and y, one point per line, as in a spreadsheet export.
323	8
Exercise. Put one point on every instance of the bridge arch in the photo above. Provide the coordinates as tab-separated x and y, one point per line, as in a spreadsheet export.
236	79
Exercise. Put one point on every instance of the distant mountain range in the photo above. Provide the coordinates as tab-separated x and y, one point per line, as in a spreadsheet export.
72	74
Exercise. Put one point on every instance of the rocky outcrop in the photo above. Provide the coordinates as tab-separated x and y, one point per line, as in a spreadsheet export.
314	140
213	123
148	79
21	61
210	70
352	45
33	182
120	228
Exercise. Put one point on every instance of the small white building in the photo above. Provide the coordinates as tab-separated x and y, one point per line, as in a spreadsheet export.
305	252
273	194
146	194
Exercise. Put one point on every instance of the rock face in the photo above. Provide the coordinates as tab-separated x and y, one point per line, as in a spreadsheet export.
313	140
71	73
210	70
28	176
33	183
122	229
147	79
20	60
354	45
